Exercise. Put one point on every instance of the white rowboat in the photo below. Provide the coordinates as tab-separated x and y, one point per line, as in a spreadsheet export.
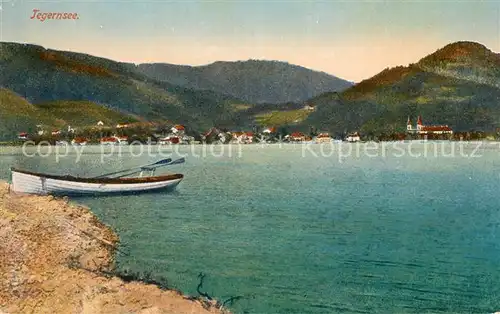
43	184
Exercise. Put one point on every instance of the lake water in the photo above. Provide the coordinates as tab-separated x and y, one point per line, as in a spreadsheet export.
378	231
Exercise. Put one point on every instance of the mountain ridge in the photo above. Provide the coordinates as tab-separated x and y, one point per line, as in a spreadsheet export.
465	60
456	85
255	81
42	75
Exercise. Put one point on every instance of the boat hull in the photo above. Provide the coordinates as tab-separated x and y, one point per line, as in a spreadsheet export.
33	183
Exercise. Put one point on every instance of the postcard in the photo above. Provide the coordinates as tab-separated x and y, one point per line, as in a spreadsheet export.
249	156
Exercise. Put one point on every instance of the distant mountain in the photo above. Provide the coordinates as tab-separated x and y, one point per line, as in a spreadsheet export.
40	75
465	60
253	81
458	85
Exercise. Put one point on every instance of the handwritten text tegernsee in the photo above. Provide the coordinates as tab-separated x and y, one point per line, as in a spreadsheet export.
53	16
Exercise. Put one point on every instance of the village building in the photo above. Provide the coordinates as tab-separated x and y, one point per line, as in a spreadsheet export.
171	139
186	139
249	137
242	137
427	129
163	141
309	107
210	135
297	137
238	137
175	139
323	138
271	130
178	129
222	137
22	136
353	137
40	130
114	140
177	135
79	141
109	141
268	135
123	140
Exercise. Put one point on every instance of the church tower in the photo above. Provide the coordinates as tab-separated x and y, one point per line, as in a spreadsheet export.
408	125
419	123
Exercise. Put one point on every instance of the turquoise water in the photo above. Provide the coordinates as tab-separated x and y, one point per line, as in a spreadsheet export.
295	233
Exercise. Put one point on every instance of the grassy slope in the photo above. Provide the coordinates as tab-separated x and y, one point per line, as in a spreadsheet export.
464	97
82	113
279	118
18	115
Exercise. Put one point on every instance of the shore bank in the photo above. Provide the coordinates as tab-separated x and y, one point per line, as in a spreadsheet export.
56	257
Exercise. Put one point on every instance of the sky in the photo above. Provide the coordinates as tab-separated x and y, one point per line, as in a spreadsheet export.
353	40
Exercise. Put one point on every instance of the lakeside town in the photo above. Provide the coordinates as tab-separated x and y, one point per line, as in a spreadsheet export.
153	133
177	134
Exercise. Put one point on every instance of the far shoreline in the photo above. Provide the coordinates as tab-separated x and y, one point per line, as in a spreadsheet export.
21	144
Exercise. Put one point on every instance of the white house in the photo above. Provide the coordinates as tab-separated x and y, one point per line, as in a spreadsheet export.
170	139
176	136
353	137
122	140
309	107
23	136
40	129
178	129
238	137
269	130
242	137
222	137
323	138
100	123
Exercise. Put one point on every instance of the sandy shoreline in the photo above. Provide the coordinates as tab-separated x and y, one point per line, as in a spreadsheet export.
54	257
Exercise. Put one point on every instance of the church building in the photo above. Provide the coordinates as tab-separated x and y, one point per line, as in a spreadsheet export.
427	129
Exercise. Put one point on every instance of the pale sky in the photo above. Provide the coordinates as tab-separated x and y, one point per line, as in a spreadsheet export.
350	39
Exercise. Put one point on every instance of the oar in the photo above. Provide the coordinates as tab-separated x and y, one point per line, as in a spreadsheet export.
158	163
152	168
177	161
